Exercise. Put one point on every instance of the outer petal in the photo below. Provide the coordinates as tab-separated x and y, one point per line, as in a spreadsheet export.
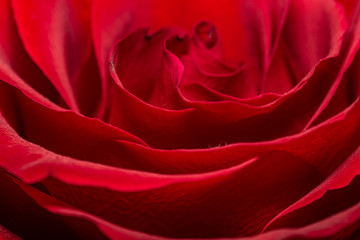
197	187
21	214
313	145
46	126
75	193
350	48
7	235
32	163
341	225
312	31
334	225
162	210
342	177
64	28
15	62
349	6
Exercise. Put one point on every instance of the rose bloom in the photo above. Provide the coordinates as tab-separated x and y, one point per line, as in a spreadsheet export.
139	119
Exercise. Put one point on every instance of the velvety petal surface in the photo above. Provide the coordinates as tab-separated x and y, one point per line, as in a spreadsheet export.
57	37
170	120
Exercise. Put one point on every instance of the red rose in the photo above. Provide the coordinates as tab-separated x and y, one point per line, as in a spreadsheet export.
180	119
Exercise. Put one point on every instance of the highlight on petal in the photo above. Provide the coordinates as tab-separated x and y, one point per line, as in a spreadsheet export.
5	234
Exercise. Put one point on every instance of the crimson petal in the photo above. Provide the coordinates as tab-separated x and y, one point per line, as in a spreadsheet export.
68	41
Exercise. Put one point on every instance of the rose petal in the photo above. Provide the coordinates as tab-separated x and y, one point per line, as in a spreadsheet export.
198	92
327	154
21	214
153	211
33	163
334	201
147	69
5	234
33	170
46	126
304	41
64	28
230	122
349	6
197	160
15	61
81	224
262	26
339	226
284	116
342	178
346	93
331	226
113	20
350	48
205	65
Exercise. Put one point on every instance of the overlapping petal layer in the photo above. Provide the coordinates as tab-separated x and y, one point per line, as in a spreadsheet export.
239	127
